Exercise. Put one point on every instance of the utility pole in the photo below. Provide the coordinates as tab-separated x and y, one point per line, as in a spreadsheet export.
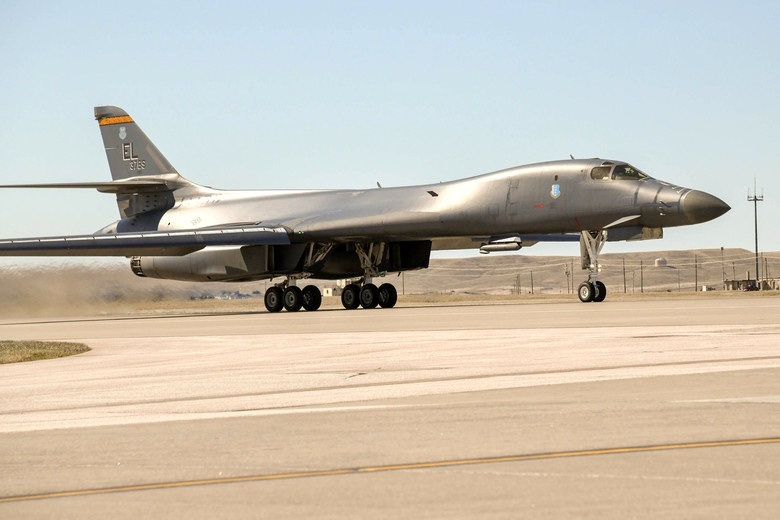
571	270
755	199
624	275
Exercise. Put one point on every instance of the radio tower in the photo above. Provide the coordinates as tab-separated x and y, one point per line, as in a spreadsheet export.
755	199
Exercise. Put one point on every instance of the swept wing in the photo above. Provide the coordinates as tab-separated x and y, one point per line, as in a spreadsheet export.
159	243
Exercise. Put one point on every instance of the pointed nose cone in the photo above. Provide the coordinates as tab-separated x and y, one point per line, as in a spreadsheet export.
698	207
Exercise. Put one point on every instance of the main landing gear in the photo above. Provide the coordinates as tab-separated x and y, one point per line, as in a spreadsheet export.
369	296
292	298
362	293
591	244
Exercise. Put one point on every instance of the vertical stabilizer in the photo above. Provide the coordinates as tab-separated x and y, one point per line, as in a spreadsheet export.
130	153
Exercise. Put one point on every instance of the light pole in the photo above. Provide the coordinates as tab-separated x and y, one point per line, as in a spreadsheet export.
755	199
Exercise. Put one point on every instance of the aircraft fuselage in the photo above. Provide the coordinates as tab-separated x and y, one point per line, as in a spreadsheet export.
544	198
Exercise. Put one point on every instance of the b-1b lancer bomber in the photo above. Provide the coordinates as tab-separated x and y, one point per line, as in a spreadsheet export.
175	229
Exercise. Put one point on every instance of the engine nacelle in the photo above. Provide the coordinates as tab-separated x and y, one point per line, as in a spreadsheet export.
219	264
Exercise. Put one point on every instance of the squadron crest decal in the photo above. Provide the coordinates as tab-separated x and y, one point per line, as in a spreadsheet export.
122	133
555	192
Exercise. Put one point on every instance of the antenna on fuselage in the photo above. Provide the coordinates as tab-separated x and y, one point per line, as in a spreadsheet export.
572	157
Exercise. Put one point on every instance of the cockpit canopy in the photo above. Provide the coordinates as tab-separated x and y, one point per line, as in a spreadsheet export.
619	172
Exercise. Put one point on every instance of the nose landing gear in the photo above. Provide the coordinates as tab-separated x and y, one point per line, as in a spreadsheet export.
591	244
592	291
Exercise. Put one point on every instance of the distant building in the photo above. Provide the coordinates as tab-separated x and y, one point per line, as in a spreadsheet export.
770	284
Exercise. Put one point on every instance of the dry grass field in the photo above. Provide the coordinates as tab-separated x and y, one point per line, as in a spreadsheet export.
18	351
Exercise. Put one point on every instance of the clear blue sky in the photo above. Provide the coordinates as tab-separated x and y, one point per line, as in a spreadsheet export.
344	94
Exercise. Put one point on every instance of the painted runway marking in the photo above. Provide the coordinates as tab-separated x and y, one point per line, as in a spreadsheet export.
391	467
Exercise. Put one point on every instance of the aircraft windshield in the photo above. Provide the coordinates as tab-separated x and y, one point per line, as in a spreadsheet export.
626	172
600	173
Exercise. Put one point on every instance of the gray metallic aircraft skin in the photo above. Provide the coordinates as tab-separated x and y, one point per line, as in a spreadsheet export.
186	231
516	200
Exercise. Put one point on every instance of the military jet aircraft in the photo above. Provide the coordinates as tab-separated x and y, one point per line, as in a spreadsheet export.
175	229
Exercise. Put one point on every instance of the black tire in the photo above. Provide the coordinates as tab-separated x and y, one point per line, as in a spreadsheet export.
601	292
369	296
388	296
586	291
293	299
349	296
273	299
312	298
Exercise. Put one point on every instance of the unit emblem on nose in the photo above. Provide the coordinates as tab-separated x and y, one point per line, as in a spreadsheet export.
555	192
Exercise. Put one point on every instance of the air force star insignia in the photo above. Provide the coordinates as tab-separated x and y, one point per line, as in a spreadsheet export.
555	192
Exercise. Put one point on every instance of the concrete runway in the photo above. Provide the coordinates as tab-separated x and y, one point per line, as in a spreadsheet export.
622	409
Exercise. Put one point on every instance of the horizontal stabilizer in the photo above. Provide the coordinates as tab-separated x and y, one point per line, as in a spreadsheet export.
103	187
158	243
131	185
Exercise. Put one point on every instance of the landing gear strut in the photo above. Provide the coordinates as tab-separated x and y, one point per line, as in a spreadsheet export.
365	294
591	244
360	293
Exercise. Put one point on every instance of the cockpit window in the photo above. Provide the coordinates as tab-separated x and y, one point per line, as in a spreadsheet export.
600	173
626	172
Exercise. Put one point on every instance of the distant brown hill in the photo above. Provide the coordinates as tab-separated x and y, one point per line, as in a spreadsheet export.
629	272
73	286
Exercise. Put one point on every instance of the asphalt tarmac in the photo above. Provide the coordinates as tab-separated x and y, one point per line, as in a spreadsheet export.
642	408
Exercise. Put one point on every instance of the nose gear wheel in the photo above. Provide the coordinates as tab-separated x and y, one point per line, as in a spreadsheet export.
591	244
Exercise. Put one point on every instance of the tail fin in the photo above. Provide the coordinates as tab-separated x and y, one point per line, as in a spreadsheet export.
130	153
